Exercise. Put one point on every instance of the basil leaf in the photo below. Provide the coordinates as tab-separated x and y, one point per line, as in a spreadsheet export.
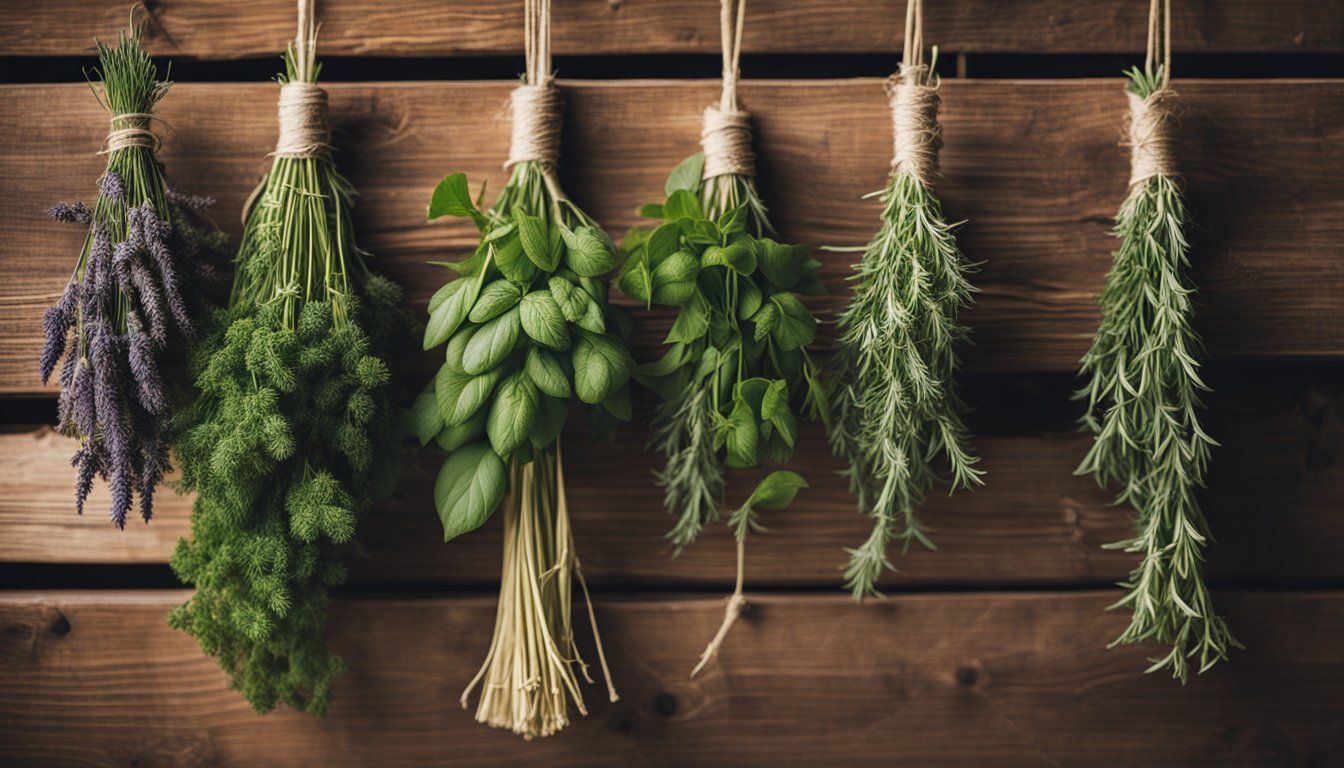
451	198
491	343
651	211
601	365
748	299
687	175
692	321
741	436
450	313
586	253
543	321
777	490
683	204
674	294
796	326
676	268
637	283
737	257
766	318
510	259
426	416
673	359
592	320
536	241
775	409
457	346
458	435
468	489
549	422
546	372
496	299
511	413
618	404
461	396
781	264
445	291
663	242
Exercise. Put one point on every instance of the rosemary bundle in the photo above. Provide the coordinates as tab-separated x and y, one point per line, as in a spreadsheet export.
737	363
1143	390
131	296
896	411
527	326
293	430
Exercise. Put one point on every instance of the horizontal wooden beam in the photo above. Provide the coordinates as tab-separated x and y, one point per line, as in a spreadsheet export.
1033	166
1277	476
99	679
227	29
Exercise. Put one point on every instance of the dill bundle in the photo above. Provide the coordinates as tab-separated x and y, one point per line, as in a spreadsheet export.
1143	388
292	431
131	298
896	411
737	363
527	327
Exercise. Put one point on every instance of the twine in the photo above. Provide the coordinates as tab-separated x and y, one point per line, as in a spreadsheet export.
304	130
537	116
1151	143
916	135
130	130
725	130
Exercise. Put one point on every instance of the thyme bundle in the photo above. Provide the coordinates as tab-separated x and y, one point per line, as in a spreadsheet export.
132	296
527	327
292	431
896	411
737	363
1143	388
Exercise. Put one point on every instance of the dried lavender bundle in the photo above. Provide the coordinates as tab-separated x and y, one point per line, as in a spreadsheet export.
896	412
294	430
1143	391
130	298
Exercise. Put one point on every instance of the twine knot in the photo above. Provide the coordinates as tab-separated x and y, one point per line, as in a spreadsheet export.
537	117
1151	135
131	130
916	136
726	139
304	130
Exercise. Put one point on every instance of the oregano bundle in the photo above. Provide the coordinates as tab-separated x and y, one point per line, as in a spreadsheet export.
527	328
1143	390
896	411
737	367
132	296
293	429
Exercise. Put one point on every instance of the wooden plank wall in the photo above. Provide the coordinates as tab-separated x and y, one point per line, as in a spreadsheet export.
990	650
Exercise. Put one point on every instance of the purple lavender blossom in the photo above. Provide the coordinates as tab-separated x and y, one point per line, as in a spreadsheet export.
71	213
56	322
113	186
197	203
150	301
144	366
97	288
155	234
86	461
106	350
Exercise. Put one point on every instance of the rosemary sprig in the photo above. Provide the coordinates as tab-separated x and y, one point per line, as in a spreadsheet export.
1143	401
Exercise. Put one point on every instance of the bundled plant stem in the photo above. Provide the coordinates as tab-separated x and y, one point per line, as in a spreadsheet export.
737	362
1143	389
896	410
527	326
131	297
292	431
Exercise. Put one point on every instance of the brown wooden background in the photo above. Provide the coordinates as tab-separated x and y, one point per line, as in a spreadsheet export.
990	651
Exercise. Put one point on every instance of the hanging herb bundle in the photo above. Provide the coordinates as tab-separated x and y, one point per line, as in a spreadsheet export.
131	296
292	432
896	411
527	326
737	362
1143	388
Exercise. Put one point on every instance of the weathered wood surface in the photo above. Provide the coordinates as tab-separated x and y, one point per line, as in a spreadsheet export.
952	680
226	29
1277	477
1034	166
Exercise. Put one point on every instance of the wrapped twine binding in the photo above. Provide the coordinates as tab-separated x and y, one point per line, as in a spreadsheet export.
1151	128
726	139
916	135
131	130
304	129
538	113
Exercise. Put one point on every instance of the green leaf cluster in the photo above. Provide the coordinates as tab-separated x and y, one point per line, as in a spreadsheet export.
1143	402
896	411
736	364
525	327
294	429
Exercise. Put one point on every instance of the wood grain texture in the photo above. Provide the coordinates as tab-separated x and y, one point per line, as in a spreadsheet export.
1278	475
225	29
951	680
1034	166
